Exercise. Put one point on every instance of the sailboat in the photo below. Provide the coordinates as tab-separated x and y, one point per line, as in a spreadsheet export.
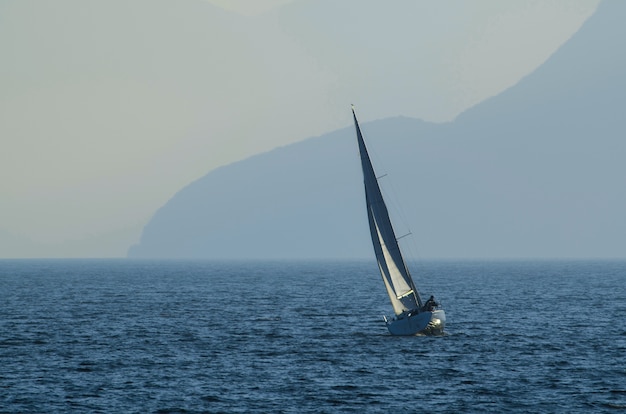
412	315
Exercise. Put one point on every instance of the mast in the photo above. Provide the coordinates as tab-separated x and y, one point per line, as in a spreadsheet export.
400	287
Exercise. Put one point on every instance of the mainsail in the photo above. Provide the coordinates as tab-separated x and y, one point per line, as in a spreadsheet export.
400	286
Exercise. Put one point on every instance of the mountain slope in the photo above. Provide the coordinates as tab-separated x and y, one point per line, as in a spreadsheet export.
536	171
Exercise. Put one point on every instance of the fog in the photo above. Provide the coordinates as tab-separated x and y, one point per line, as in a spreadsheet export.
109	107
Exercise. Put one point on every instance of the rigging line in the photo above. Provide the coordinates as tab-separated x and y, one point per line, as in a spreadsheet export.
388	190
403	236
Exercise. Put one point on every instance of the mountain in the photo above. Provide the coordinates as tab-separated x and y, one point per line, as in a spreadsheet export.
108	107
536	171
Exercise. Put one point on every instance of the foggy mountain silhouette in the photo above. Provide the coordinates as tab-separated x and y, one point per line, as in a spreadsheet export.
536	171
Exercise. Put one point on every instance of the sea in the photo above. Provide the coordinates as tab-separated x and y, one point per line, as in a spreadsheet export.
133	336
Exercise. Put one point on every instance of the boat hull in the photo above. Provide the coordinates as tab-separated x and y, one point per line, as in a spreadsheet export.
422	323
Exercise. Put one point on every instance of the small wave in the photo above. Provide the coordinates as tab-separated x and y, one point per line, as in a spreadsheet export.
210	398
334	401
615	406
170	411
344	387
267	318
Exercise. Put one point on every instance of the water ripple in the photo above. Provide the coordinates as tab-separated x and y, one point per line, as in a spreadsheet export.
174	337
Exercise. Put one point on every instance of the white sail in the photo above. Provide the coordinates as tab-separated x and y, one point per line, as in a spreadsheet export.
400	286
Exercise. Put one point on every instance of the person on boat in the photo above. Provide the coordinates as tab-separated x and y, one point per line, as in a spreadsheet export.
430	304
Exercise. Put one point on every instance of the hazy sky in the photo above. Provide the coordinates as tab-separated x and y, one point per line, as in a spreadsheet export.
249	7
107	108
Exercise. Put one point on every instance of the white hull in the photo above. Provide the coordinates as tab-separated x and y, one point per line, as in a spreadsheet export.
422	323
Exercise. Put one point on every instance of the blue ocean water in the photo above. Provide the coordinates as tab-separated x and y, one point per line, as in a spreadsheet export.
297	337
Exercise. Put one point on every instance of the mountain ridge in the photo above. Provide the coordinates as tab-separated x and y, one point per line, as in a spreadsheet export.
532	172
